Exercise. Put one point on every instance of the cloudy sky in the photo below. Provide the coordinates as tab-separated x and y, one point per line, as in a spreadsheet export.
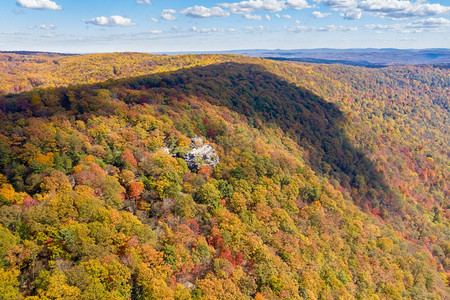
84	26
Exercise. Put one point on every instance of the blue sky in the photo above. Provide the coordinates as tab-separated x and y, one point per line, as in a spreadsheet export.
164	26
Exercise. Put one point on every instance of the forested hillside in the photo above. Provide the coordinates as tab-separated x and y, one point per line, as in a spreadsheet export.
320	181
23	72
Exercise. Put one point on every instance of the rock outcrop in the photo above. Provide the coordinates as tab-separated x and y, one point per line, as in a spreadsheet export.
201	155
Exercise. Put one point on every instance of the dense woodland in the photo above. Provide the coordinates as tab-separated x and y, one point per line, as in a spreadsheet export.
332	181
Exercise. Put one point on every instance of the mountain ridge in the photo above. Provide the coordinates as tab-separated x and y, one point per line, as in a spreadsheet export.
376	57
267	221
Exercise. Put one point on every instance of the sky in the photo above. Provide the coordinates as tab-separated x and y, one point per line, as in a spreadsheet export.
87	26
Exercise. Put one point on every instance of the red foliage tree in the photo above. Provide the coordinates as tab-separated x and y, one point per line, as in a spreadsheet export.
128	157
135	190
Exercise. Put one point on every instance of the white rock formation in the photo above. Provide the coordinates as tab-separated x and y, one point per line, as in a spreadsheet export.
201	156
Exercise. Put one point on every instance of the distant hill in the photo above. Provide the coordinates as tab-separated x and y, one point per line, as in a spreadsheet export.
36	53
369	57
358	57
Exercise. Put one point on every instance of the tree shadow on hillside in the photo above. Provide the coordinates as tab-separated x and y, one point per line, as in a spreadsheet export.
317	125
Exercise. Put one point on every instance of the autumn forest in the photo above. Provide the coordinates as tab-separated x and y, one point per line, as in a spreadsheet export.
140	176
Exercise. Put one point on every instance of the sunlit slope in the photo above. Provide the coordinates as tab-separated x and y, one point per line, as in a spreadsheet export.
23	72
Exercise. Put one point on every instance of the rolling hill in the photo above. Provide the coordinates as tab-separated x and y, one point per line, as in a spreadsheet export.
319	181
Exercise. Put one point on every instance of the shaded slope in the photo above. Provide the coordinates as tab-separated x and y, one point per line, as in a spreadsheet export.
317	125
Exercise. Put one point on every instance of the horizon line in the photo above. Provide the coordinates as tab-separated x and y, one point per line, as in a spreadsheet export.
231	51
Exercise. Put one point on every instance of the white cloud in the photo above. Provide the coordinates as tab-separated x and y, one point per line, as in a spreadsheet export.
337	28
156	31
298	28
401	9
247	7
339	4
267	17
206	30
46	26
285	16
111	21
39	4
168	14
328	28
352	15
145	2
320	15
155	20
211	30
43	26
424	25
297	21
255	28
204	12
297	4
432	22
252	17
393	9
349	7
